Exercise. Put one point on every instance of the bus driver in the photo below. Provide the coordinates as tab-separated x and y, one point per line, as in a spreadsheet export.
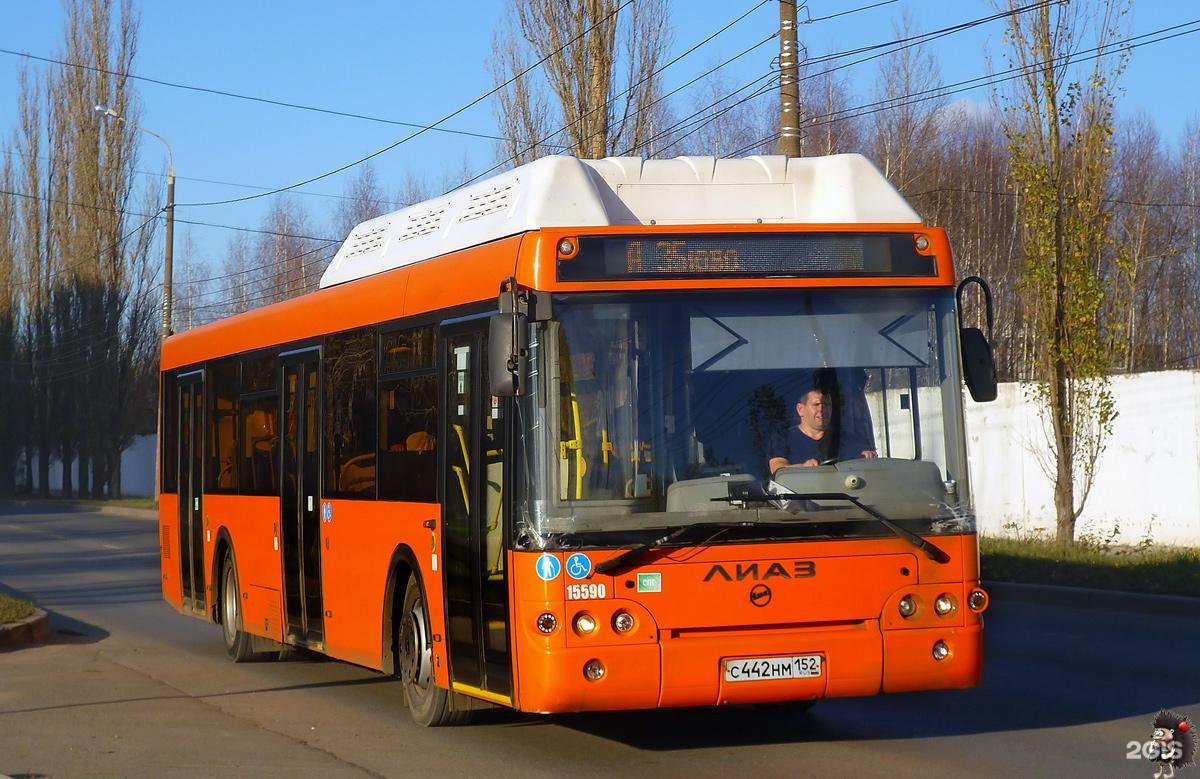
814	441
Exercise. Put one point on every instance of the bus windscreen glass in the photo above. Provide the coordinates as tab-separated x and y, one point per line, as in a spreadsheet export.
654	404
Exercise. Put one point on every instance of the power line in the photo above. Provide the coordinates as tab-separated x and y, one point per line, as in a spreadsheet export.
107	209
161	175
250	98
421	131
845	13
615	97
910	41
969	84
1116	200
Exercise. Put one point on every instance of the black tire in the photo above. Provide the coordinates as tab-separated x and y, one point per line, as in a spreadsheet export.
238	643
428	704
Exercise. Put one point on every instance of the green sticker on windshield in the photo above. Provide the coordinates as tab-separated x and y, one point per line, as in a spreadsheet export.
649	582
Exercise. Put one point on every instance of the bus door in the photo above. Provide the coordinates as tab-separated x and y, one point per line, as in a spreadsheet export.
300	500
475	433
191	489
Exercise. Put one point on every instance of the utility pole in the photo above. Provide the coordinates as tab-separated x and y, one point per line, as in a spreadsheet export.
170	240
789	81
107	112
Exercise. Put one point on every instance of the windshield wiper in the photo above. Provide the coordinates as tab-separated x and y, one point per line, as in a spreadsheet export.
931	551
627	557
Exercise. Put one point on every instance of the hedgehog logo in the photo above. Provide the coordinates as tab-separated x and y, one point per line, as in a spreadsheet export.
1176	740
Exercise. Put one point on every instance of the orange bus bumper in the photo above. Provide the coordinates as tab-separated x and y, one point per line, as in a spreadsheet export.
686	668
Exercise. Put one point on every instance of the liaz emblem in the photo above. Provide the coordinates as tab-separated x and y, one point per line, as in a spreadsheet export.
799	569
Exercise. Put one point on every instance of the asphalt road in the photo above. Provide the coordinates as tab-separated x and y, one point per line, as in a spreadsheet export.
128	687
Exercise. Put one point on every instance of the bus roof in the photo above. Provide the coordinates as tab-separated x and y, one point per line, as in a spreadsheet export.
560	191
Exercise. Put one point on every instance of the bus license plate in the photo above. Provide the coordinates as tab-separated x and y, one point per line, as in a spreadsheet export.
753	669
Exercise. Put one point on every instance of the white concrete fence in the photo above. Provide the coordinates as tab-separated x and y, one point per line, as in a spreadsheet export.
1147	483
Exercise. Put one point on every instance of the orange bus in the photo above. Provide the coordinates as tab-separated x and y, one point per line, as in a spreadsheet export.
595	435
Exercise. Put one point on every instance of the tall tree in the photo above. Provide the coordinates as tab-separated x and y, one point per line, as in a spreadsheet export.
362	199
906	129
599	80
10	389
1059	133
1146	240
289	263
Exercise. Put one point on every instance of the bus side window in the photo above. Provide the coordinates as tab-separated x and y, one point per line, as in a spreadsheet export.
407	454
222	447
258	429
260	443
350	415
169	440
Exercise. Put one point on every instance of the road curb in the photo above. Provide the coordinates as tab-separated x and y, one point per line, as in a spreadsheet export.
96	508
1088	598
126	511
32	630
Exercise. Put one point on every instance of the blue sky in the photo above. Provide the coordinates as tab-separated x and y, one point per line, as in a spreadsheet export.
417	61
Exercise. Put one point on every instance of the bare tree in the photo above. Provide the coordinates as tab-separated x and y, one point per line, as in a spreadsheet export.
725	122
10	391
363	199
193	299
599	75
906	129
236	270
827	125
1184	346
1145	237
289	263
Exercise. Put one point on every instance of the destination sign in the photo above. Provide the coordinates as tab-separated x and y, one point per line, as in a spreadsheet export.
716	255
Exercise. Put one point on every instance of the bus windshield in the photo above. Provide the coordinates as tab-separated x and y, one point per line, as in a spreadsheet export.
658	410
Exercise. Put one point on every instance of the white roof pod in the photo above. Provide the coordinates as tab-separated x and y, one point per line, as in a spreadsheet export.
561	191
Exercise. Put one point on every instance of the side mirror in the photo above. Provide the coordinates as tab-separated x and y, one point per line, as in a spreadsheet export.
506	354
979	367
978	363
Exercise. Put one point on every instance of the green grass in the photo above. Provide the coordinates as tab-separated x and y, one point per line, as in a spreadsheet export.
12	609
1151	569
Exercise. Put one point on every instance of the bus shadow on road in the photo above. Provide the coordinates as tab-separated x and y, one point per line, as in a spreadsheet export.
1046	668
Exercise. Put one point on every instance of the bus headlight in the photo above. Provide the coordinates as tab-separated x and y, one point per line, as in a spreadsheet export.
977	600
593	670
546	623
585	624
944	604
907	606
940	651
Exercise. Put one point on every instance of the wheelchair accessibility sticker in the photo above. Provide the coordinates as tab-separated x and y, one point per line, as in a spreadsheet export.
579	566
548	567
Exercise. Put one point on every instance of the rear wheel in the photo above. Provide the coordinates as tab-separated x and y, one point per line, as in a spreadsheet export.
429	704
237	642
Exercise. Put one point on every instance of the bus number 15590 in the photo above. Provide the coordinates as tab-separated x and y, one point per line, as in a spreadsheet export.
587	591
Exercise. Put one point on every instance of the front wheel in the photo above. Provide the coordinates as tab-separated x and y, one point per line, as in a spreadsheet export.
237	642
428	704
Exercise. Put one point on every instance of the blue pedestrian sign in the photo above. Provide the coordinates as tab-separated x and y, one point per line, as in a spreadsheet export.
579	566
548	567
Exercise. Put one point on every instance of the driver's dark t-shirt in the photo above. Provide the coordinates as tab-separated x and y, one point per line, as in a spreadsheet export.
801	448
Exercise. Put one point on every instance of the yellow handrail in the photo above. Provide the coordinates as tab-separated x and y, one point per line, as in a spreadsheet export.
462	485
462	444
